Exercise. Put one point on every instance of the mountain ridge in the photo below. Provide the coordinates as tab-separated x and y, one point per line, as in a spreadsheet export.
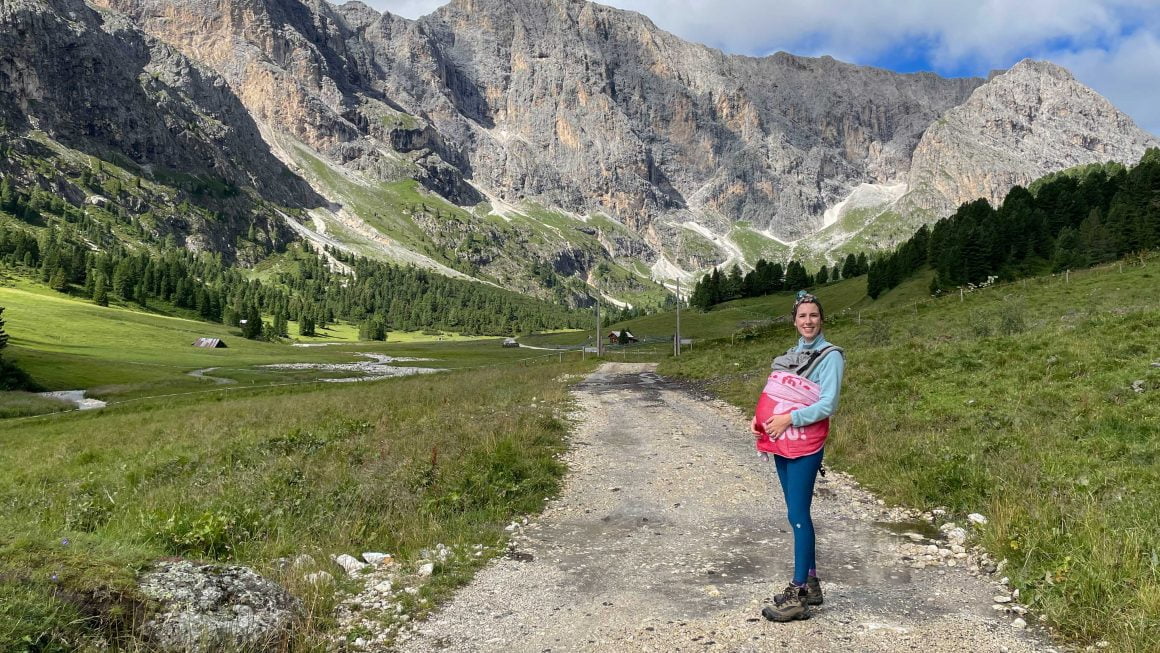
583	138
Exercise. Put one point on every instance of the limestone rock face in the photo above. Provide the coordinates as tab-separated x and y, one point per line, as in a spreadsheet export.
1022	124
579	106
95	82
596	109
301	69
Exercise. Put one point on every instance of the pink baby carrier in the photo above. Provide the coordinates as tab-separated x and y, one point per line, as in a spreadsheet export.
786	391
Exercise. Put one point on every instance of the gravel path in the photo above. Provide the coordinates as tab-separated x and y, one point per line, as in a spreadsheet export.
669	536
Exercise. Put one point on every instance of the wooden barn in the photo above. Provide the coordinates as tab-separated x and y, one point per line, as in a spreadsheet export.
614	337
209	343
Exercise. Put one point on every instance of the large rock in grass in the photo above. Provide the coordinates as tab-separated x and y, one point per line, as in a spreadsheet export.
206	607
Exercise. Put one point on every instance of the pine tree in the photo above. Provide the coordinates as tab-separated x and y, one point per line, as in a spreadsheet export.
750	286
701	297
7	196
850	267
1095	239
1067	251
732	284
280	329
874	277
776	278
306	325
59	280
3	333
823	276
716	287
796	277
252	329
100	290
123	282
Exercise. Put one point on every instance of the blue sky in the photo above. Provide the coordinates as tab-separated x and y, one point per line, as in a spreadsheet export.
1112	46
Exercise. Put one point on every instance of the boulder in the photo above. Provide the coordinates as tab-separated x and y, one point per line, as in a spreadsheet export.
207	607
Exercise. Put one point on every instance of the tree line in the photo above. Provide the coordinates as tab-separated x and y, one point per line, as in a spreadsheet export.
379	296
1072	219
766	278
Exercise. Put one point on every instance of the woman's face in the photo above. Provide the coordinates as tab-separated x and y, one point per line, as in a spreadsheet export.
808	320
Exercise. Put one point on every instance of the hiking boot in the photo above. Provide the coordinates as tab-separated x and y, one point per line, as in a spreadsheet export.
813	591
788	606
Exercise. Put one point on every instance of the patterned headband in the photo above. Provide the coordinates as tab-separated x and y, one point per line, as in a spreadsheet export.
804	297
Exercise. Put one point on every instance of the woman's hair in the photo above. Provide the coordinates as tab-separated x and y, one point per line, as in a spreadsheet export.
804	297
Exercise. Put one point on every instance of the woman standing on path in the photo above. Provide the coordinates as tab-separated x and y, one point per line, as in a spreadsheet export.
796	437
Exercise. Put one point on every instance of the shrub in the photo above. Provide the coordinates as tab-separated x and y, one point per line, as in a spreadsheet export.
1011	320
980	324
877	334
212	533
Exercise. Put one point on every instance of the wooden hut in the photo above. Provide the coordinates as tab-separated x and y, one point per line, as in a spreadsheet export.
614	337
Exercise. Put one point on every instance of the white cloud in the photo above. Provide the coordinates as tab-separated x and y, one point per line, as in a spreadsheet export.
1111	45
954	30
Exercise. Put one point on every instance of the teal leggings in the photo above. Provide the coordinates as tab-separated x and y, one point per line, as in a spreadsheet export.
797	476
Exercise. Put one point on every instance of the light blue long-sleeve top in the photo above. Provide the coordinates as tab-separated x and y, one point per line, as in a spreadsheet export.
827	374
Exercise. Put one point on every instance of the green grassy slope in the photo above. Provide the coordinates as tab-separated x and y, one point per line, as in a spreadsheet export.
731	317
1032	403
118	354
256	474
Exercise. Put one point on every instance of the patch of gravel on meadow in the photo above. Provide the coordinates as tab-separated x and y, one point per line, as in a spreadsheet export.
669	535
380	366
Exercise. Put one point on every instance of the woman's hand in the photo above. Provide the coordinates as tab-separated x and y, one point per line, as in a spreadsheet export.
776	425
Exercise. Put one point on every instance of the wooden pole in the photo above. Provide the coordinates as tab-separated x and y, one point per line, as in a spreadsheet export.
599	343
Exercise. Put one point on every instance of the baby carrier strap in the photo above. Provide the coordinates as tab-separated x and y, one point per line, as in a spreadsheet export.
815	358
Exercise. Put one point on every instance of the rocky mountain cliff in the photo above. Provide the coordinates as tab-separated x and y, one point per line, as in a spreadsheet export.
96	86
1022	124
553	146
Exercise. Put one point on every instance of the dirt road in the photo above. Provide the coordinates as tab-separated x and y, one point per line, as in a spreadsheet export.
669	536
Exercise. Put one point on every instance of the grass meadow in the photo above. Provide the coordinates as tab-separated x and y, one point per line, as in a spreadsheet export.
1034	403
90	498
270	465
121	354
